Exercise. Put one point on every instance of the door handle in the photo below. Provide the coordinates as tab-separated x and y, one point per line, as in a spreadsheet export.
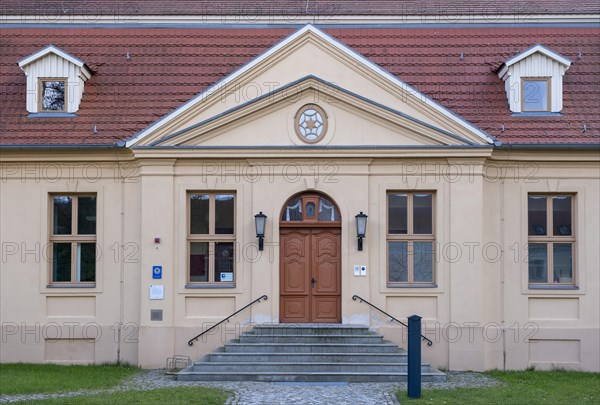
312	282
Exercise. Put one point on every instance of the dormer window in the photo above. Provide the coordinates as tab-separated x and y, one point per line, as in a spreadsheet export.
55	81
533	81
536	94
53	95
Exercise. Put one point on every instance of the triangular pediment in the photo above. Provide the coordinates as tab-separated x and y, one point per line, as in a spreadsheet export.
271	120
309	63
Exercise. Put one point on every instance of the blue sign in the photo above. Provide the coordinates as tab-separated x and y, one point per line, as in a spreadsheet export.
156	271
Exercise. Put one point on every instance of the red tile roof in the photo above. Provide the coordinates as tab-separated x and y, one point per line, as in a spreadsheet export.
169	66
248	8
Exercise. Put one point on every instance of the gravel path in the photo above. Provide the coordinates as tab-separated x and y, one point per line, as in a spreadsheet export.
255	393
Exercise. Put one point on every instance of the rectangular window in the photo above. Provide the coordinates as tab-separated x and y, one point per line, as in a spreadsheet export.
211	238
536	94
410	238
73	239
52	95
551	239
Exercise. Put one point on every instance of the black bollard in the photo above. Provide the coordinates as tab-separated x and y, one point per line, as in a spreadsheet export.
414	356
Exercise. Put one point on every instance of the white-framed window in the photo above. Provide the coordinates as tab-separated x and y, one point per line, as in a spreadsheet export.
533	81
53	95
536	94
55	81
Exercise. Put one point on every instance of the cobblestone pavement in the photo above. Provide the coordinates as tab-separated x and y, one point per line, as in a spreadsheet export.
259	393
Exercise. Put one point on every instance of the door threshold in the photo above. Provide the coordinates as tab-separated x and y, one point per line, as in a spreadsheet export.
315	324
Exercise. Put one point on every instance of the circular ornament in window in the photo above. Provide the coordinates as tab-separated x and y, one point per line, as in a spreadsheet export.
310	123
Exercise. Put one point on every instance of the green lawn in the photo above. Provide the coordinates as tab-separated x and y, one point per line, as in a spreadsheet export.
521	387
171	396
25	378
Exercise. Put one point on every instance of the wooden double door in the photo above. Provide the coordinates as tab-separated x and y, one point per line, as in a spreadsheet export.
310	275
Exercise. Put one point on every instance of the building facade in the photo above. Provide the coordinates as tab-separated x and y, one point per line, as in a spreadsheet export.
137	164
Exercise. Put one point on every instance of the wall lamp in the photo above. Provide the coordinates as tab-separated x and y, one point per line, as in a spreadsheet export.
361	228
260	220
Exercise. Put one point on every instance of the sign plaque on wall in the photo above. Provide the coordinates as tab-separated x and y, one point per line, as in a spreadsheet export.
156	272
157	292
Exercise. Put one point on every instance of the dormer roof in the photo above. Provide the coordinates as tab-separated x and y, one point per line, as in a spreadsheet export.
538	48
541	49
51	49
55	82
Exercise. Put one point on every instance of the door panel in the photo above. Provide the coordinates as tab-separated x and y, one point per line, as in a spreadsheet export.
294	301
295	309
295	261
295	277
326	309
325	260
305	255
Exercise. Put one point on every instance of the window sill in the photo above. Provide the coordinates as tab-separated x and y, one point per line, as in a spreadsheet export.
414	285
51	115
71	286
208	286
536	114
553	287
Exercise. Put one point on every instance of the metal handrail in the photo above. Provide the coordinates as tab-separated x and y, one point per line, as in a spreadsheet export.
191	341
356	297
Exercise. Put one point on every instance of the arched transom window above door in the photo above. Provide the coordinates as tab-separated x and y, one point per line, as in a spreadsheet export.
310	208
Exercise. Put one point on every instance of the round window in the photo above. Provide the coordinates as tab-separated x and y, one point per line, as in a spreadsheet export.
311	123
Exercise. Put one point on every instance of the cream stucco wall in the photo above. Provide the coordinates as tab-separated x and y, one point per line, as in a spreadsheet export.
40	323
480	315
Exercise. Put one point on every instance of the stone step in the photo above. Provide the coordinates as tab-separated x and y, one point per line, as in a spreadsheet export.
307	353
308	357
237	347
185	375
307	329
303	367
305	338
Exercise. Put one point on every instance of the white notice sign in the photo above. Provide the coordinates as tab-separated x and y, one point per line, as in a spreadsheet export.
157	292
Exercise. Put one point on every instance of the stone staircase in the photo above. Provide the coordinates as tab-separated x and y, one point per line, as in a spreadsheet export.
307	353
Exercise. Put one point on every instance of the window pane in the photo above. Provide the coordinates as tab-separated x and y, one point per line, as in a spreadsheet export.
86	262
537	215
224	213
561	211
422	214
563	263
86	215
398	261
61	262
224	262
62	215
199	261
423	262
53	95
327	211
310	209
199	213
535	95
538	266
293	211
397	213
